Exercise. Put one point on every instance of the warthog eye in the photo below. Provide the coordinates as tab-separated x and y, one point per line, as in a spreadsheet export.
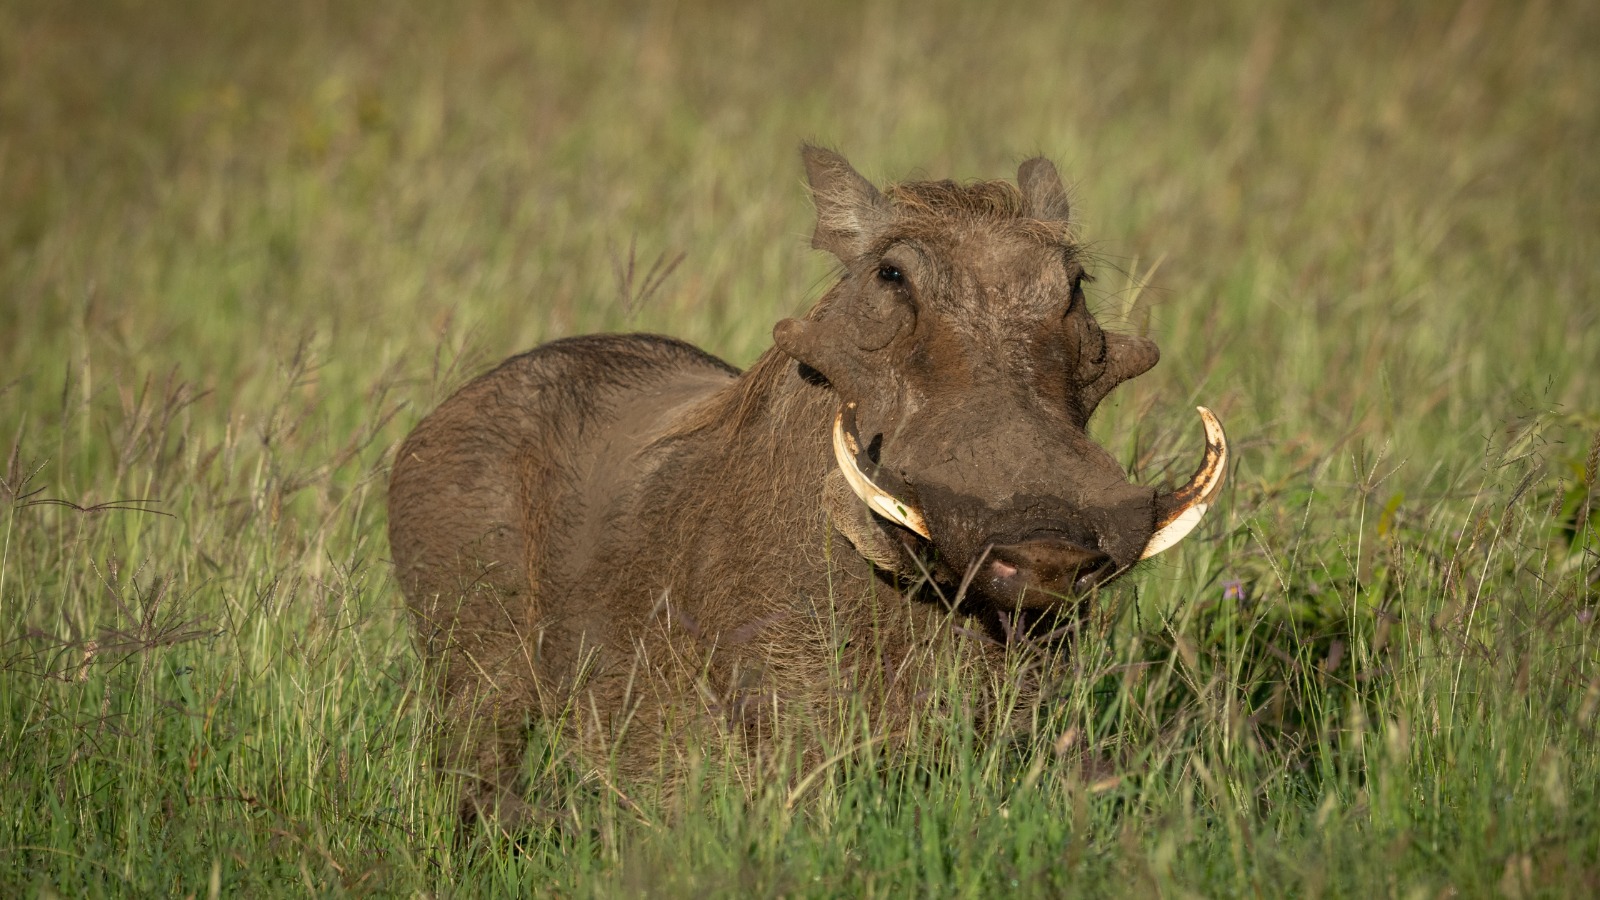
1075	301
890	274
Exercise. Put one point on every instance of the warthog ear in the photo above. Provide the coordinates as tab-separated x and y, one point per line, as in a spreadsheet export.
849	209
1042	191
1126	357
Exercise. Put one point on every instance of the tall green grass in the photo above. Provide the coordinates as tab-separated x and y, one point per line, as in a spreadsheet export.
243	249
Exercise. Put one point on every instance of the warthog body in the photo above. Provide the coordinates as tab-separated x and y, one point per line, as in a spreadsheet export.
627	531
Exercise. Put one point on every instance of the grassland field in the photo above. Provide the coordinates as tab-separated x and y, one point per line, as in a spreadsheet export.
244	247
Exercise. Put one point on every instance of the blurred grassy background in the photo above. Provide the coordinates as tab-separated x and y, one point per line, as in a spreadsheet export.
244	247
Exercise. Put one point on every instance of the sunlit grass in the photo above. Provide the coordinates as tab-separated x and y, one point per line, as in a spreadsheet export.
242	251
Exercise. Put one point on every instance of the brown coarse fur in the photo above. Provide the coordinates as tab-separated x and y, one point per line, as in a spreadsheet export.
629	539
993	201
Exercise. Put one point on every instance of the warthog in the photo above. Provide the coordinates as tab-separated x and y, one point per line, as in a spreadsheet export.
627	532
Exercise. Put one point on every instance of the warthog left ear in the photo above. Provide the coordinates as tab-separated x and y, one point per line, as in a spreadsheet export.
1126	357
849	209
1044	195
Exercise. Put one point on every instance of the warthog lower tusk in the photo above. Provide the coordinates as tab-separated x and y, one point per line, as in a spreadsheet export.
1190	502
847	449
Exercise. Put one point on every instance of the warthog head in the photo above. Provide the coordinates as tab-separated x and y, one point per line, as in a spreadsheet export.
967	365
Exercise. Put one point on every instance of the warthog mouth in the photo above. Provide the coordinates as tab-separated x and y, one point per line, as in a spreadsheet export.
1177	512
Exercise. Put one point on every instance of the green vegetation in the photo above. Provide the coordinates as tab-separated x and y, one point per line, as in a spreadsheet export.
243	247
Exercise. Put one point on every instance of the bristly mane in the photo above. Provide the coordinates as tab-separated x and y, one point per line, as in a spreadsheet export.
731	408
997	199
997	202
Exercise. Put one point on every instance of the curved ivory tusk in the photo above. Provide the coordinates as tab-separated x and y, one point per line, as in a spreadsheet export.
1190	502
847	450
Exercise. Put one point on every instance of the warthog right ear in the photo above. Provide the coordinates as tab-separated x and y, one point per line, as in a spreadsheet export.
1042	191
849	209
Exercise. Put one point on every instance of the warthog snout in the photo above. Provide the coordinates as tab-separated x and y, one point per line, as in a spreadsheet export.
1037	572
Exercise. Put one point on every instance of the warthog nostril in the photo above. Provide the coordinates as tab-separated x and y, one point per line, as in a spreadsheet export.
1036	572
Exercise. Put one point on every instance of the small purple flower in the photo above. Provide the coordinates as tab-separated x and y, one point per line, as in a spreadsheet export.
1232	589
1586	615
